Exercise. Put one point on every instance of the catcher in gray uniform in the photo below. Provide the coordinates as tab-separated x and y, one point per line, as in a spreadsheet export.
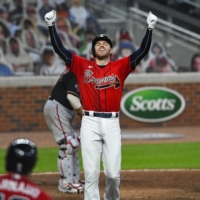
59	113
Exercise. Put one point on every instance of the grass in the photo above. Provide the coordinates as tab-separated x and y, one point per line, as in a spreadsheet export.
161	156
135	156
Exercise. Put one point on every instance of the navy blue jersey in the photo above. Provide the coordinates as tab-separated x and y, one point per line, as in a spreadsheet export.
66	84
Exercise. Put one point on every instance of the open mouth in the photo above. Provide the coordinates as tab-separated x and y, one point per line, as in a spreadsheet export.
101	50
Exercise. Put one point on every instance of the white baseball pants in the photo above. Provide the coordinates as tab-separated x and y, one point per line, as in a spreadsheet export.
101	137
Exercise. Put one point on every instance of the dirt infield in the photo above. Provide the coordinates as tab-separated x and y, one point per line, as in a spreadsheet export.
146	184
153	185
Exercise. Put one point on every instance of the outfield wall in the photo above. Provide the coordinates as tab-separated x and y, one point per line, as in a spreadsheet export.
22	100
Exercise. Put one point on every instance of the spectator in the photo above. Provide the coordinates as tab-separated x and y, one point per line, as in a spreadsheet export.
17	13
157	49
93	24
195	63
122	35
66	40
63	24
4	31
161	65
29	39
61	9
81	18
126	49
32	13
4	34
4	15
45	8
78	14
125	36
21	157
28	24
32	45
5	70
50	66
18	58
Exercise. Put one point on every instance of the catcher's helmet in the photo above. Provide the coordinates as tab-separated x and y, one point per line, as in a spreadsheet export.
21	156
98	38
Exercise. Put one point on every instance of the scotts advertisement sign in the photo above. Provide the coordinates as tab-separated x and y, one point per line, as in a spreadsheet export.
152	104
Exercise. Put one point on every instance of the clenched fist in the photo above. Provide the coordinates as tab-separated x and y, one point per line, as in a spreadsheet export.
50	18
151	20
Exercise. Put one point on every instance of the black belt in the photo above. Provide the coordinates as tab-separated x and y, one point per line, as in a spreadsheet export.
101	114
51	98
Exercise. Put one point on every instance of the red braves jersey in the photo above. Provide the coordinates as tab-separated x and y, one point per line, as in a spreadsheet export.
17	187
100	88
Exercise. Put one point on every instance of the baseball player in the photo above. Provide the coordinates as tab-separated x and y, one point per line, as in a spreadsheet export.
20	159
101	83
59	113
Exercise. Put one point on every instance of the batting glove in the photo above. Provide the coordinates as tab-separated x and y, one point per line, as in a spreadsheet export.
50	18
151	20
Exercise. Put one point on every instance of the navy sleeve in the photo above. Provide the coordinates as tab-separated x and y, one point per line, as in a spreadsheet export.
73	87
64	53
137	56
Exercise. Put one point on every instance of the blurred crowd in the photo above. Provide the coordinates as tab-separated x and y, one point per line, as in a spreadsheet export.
26	48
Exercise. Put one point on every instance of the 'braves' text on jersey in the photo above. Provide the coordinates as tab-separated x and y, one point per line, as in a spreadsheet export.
104	85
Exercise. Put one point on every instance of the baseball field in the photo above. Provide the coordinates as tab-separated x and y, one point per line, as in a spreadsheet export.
153	169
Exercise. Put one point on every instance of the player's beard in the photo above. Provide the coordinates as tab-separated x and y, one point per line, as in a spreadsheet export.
102	57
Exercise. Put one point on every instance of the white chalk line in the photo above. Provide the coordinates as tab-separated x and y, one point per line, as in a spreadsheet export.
131	170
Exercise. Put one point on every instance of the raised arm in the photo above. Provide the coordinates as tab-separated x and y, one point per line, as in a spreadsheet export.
64	53
137	56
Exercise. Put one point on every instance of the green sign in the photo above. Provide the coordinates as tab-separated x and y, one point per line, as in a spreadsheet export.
152	104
